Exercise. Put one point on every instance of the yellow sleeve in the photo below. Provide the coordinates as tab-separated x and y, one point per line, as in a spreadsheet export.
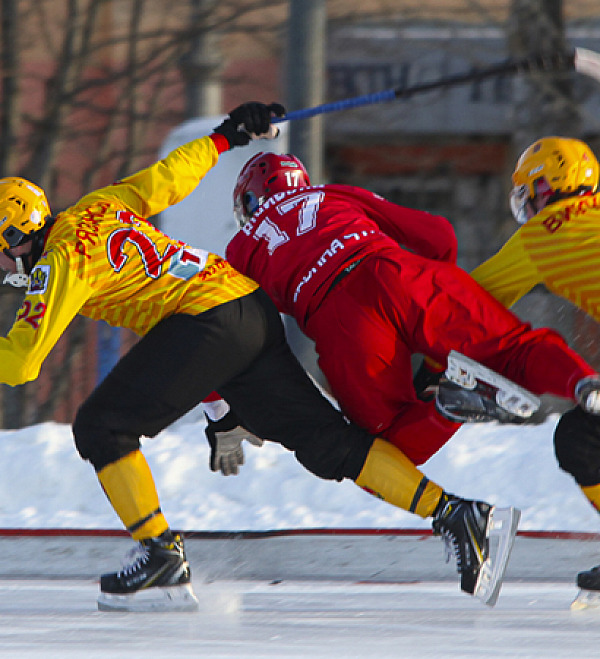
54	297
164	183
509	274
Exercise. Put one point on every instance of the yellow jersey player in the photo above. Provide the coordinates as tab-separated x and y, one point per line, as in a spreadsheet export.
205	328
555	197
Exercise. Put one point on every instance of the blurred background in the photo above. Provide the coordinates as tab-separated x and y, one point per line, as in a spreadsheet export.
92	90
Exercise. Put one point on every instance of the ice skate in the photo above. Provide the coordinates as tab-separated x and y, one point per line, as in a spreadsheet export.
589	593
475	393
156	578
481	537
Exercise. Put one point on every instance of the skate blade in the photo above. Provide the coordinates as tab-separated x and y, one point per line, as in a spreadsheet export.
586	600
466	372
167	598
502	529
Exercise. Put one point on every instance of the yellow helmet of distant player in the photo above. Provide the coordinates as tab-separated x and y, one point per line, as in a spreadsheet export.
24	209
551	168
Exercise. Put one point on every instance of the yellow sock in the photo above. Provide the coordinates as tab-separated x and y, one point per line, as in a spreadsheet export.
130	488
592	492
391	476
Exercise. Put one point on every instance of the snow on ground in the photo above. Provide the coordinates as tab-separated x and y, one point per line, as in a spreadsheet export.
44	483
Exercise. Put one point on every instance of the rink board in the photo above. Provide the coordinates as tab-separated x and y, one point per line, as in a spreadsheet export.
401	555
297	594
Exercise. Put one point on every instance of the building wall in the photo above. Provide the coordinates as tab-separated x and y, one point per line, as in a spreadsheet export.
449	152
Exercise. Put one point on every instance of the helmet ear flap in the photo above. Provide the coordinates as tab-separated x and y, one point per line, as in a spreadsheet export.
13	236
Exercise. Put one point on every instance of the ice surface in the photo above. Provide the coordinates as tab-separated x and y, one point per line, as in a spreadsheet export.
300	619
44	484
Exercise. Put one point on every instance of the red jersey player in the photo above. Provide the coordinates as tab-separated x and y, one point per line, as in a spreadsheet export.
371	283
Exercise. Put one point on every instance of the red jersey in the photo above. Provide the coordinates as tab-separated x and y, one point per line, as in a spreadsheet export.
298	241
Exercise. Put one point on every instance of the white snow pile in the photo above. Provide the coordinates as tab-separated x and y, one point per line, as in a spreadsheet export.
44	483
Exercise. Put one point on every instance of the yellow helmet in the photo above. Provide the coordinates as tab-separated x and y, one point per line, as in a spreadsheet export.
24	209
551	167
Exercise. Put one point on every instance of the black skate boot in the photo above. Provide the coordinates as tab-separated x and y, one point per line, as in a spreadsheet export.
590	579
471	405
463	526
473	392
157	577
589	595
466	527
426	382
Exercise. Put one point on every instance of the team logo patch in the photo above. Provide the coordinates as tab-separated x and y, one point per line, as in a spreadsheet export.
38	281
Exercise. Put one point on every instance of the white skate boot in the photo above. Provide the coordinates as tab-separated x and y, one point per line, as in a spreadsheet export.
473	392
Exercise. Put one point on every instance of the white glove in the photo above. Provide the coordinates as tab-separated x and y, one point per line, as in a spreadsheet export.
587	394
225	437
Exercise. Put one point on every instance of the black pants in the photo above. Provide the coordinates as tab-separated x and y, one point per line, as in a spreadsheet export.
577	446
238	349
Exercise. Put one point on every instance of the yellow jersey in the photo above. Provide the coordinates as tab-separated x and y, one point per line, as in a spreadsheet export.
104	260
559	247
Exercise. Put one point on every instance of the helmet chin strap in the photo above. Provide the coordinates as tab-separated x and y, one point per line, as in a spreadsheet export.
18	279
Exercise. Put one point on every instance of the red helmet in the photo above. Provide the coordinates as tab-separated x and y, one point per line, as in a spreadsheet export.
263	176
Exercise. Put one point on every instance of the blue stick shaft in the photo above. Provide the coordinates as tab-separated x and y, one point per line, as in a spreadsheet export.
556	62
357	101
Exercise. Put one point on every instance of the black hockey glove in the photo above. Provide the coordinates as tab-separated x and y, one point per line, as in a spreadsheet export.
250	121
225	437
425	382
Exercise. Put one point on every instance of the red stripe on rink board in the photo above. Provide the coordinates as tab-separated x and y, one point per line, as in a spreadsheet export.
224	535
37	533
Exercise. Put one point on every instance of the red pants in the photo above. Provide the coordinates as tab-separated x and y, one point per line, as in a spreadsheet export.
395	304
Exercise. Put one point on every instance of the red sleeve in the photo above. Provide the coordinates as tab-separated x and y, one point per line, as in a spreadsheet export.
431	236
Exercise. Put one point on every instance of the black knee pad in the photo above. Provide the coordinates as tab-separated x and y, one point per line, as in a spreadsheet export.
97	442
577	446
336	452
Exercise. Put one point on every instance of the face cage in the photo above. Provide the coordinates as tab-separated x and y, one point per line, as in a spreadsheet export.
238	214
245	206
519	198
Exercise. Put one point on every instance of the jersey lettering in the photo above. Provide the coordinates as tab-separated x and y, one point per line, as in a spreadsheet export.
32	314
87	228
129	218
552	223
555	221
